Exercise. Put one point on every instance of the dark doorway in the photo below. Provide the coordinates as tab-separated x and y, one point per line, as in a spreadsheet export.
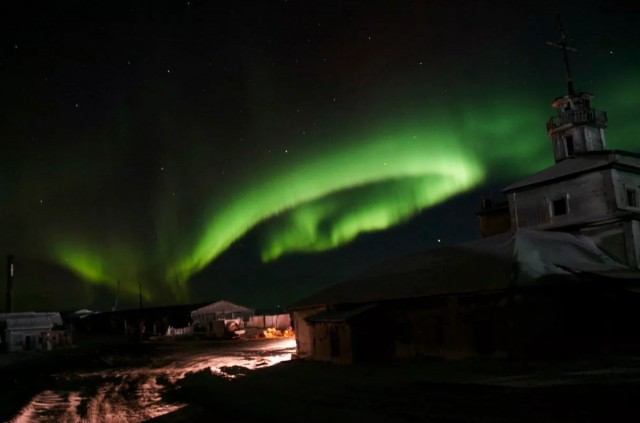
334	340
569	143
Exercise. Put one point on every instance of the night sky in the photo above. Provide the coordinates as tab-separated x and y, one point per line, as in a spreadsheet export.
260	150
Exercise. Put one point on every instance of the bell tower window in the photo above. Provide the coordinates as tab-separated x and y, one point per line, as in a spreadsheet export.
568	142
559	207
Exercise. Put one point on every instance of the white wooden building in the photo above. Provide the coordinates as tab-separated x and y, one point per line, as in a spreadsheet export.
220	319
589	190
32	331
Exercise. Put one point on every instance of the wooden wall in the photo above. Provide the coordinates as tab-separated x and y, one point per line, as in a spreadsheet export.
304	332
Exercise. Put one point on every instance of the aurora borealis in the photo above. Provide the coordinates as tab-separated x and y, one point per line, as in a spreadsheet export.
249	150
311	192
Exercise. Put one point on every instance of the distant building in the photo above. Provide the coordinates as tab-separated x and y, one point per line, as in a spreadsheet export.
138	323
263	319
218	319
32	331
221	319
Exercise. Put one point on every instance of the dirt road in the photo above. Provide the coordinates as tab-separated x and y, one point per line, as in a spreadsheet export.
127	384
207	381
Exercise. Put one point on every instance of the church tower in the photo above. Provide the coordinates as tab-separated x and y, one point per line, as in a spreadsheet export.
577	127
590	190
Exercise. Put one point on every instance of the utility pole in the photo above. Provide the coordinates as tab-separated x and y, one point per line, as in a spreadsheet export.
140	291
10	258
115	302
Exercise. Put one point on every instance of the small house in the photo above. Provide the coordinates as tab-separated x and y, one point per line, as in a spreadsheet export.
30	331
221	319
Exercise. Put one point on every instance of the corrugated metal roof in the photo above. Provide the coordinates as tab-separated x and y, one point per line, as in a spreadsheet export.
222	306
33	323
30	320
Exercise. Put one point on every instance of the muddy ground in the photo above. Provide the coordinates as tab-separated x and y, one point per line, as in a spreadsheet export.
23	375
187	381
481	390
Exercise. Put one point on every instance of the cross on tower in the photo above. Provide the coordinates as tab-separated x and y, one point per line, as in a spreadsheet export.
565	47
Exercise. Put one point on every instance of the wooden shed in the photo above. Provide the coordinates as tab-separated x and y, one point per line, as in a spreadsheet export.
32	331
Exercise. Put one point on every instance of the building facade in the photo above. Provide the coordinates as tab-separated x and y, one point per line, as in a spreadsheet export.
30	331
589	190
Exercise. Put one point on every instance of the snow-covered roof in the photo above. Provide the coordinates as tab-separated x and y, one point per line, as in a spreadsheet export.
84	311
222	306
581	163
543	253
489	264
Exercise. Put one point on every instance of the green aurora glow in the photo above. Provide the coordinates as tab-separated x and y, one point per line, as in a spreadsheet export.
337	219
329	198
102	266
433	171
326	198
205	149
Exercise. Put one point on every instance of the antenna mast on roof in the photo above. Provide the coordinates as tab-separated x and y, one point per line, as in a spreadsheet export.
115	302
10	258
140	291
565	47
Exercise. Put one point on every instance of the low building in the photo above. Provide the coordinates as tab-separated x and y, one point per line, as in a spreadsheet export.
30	331
530	293
220	319
138	323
